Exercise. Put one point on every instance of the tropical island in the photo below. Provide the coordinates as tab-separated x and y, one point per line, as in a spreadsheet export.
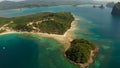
55	25
81	52
46	22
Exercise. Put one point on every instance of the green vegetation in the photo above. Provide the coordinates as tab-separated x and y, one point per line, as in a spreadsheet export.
4	21
80	50
54	23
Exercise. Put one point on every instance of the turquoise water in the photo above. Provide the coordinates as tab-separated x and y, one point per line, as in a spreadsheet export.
18	52
31	51
95	24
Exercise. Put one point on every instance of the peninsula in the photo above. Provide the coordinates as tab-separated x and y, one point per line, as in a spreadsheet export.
55	25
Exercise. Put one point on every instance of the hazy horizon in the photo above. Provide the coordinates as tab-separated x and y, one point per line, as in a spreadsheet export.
66	0
12	0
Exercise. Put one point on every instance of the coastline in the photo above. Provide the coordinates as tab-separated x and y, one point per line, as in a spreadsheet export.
64	39
90	61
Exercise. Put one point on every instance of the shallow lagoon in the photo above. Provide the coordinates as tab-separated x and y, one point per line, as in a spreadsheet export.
31	51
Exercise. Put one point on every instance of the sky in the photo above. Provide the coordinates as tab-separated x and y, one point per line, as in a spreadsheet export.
86	0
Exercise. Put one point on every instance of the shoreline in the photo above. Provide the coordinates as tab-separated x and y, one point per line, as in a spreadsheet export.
90	61
64	39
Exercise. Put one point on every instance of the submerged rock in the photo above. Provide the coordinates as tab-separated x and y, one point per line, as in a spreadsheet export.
116	9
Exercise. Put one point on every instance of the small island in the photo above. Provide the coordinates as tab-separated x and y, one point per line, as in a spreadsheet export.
99	6
116	9
81	52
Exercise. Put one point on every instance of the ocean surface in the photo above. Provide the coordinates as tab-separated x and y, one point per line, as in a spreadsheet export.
31	51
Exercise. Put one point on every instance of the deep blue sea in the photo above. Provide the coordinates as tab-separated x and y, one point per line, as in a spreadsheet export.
95	24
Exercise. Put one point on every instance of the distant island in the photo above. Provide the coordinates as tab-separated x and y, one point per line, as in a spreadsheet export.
116	9
54	25
11	4
110	4
99	6
7	4
81	52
